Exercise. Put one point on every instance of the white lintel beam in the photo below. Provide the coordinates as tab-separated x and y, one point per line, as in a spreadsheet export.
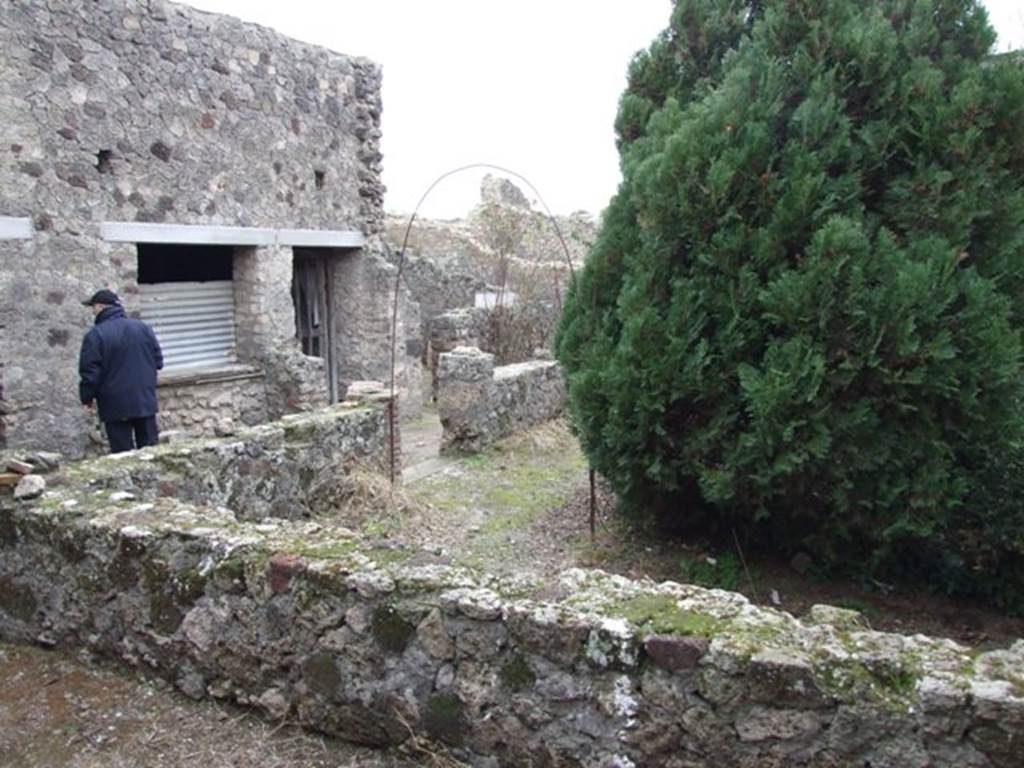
184	234
15	228
212	234
321	238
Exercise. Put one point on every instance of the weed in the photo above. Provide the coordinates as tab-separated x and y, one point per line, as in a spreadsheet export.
853	604
722	572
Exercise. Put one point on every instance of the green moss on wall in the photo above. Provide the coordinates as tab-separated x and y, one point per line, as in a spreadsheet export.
661	615
122	572
516	674
445	719
321	674
17	600
390	630
164	616
8	529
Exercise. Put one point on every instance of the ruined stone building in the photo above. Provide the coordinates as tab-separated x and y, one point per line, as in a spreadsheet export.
222	178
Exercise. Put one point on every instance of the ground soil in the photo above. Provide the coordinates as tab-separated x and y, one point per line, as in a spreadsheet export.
63	709
521	506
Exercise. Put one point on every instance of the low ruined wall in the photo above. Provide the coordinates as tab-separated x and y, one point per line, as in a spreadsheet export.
466	327
303	621
201	404
283	469
479	403
295	382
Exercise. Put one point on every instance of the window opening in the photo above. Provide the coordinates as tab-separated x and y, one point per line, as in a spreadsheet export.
161	263
186	293
103	158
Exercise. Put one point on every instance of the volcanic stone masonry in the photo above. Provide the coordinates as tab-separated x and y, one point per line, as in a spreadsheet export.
165	558
479	403
128	122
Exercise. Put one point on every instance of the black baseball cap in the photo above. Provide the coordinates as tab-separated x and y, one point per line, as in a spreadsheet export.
102	296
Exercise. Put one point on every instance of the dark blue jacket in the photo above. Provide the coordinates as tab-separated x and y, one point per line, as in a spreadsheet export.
118	364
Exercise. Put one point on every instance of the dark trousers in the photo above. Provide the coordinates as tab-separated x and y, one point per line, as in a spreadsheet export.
132	433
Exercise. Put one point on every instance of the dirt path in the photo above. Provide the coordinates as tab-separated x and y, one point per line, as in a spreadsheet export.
500	509
421	447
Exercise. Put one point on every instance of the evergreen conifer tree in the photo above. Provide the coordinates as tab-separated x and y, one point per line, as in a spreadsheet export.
802	318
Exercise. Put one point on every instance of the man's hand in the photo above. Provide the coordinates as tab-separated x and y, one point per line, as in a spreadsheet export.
89	407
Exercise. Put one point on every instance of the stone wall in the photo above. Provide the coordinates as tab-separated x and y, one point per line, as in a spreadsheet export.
265	332
305	622
445	265
364	291
513	334
479	403
466	327
205	119
121	111
285	469
202	405
438	290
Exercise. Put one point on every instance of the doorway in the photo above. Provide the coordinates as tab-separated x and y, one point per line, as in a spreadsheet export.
311	297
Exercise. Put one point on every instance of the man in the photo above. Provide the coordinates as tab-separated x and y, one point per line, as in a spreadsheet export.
117	367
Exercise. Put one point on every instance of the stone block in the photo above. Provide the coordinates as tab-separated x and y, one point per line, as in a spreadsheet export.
479	404
675	653
30	487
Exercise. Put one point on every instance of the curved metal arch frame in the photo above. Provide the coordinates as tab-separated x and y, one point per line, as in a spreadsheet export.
393	400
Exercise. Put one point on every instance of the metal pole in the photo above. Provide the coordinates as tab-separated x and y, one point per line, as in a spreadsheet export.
593	508
391	439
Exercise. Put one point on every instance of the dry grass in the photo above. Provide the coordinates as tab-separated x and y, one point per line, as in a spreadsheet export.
427	752
359	497
552	437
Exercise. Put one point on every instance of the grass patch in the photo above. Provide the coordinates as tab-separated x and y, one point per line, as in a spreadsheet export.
387	556
506	488
895	688
327	549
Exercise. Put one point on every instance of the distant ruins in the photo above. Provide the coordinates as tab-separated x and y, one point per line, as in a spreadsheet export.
504	253
490	289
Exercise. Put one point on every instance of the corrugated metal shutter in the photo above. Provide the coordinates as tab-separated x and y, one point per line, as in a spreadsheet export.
195	322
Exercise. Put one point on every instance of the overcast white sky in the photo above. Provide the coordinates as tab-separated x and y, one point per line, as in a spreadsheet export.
531	85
